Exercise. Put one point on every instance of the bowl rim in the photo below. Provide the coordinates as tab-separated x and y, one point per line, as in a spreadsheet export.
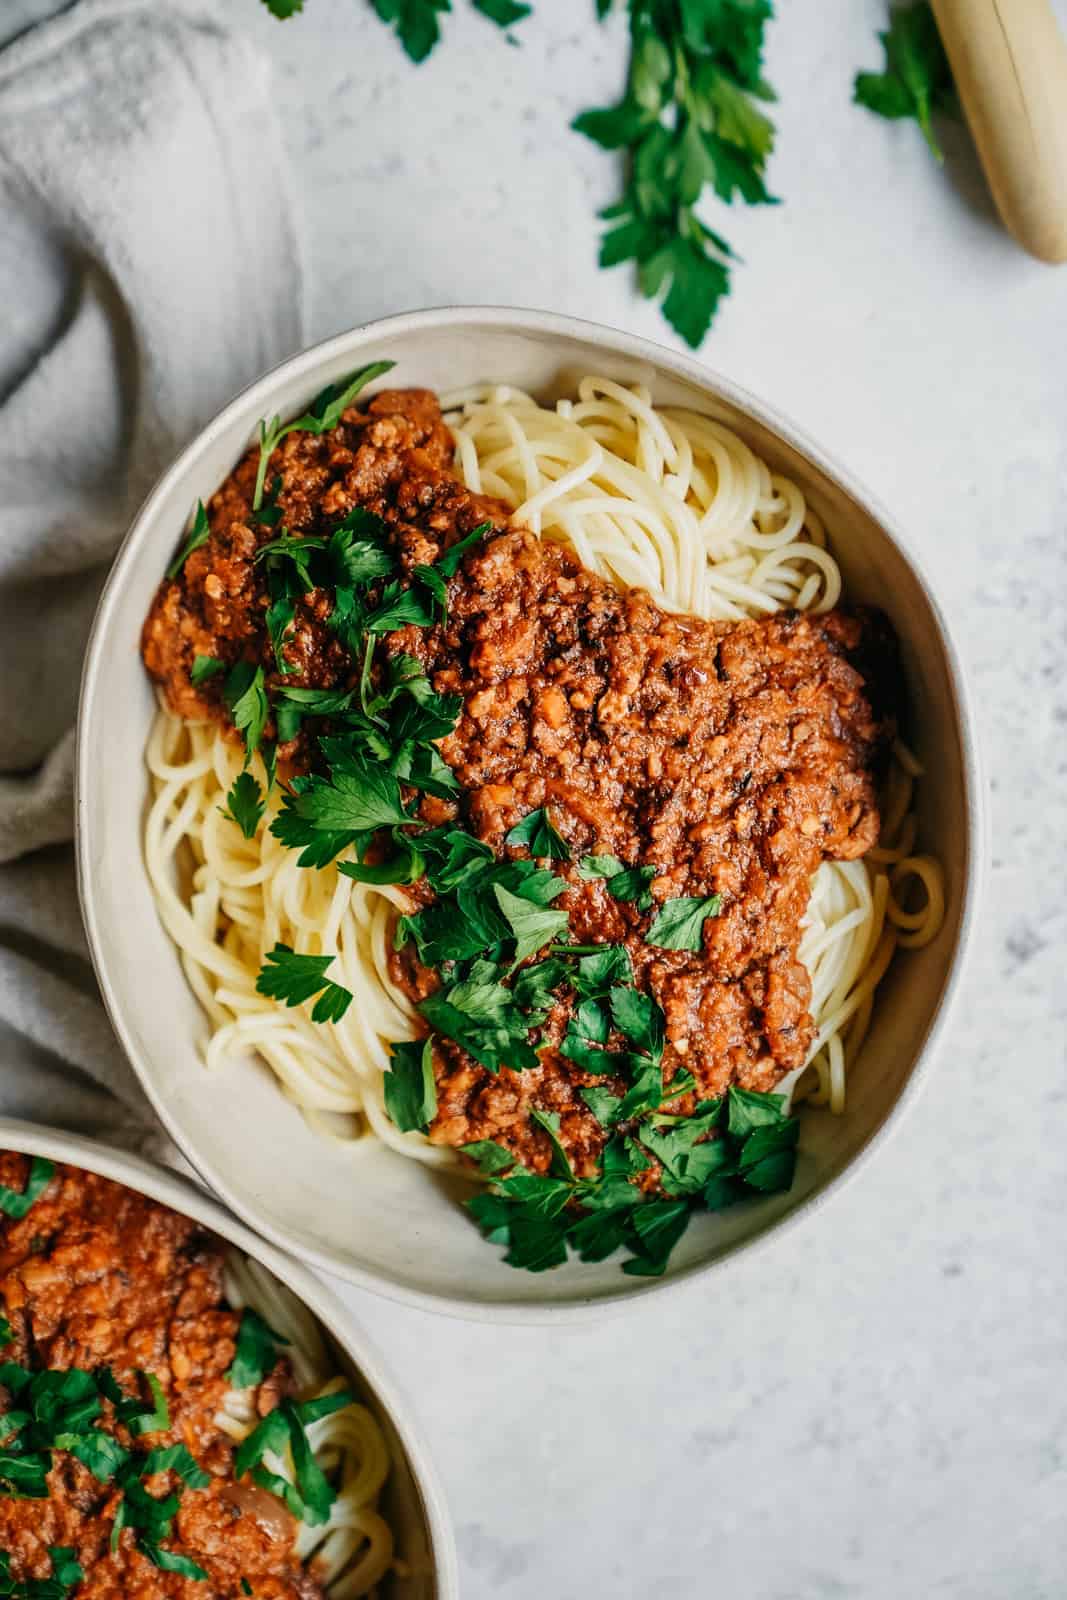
516	1311
182	1194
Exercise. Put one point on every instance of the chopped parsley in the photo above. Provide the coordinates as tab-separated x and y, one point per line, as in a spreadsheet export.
410	1090
679	924
245	804
293	979
16	1203
725	1152
205	667
622	882
245	694
540	837
256	1354
66	1575
917	79
199	534
311	1496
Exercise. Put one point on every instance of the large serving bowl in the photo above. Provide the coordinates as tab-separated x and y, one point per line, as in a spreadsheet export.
371	1216
411	1501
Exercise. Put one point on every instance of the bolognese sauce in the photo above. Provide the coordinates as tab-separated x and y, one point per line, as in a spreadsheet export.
122	1300
722	761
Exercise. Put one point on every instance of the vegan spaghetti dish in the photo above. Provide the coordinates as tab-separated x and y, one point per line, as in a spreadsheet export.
526	798
171	1423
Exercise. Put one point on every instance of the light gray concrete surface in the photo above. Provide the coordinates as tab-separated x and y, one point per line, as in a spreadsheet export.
876	1408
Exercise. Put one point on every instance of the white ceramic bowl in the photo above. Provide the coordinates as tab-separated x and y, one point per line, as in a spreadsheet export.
384	1221
412	1500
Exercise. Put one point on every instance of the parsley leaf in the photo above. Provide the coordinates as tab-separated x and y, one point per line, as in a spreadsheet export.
355	799
540	837
294	978
410	1090
532	926
171	1561
16	1203
449	564
622	882
658	1226
483	1016
283	9
139	1420
503	12
205	667
199	534
175	1458
491	1158
245	694
245	804
598	973
257	1350
917	80
678	924
689	122
549	1121
416	23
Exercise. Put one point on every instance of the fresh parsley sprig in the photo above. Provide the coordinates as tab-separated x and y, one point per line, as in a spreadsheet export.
293	979
689	123
917	79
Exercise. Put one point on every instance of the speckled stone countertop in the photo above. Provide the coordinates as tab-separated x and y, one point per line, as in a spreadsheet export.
874	1408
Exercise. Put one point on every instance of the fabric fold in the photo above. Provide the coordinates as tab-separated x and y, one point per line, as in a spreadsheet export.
150	268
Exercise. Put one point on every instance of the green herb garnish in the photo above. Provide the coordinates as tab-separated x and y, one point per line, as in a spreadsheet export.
622	882
917	80
245	804
199	534
410	1090
679	924
540	837
311	1496
205	667
726	1151
245	694
689	122
293	978
15	1203
66	1575
257	1350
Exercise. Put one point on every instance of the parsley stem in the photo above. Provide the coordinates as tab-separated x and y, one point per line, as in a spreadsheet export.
577	949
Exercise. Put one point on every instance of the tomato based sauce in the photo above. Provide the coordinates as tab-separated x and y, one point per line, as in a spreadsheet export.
730	758
96	1276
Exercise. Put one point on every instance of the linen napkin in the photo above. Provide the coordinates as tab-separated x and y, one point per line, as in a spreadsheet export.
149	268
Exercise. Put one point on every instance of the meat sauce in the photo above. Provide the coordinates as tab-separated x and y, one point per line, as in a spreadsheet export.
733	758
95	1276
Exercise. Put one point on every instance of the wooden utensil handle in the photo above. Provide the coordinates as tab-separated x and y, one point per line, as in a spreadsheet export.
1009	59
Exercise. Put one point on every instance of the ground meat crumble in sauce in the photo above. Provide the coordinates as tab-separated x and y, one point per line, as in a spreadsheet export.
732	757
96	1275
